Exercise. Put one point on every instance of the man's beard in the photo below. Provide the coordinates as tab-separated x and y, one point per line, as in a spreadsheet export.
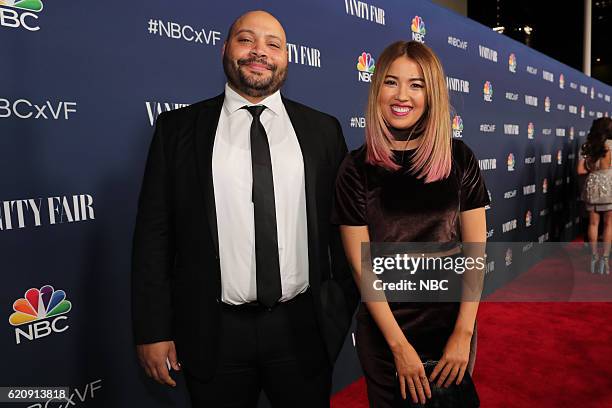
253	86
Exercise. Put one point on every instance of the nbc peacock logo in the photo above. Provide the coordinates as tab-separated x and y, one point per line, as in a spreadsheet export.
547	104
510	162
530	130
545	185
487	91
29	5
528	218
571	133
40	313
582	110
418	29
561	81
512	63
20	14
559	157
457	126
366	66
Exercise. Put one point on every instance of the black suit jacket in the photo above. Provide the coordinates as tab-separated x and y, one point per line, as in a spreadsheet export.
176	278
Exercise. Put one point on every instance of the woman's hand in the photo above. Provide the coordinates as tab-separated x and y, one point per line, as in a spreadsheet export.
454	360
410	372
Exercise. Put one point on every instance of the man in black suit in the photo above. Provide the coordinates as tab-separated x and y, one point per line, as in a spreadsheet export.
237	272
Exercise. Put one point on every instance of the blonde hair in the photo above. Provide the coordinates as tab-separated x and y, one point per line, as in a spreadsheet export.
432	159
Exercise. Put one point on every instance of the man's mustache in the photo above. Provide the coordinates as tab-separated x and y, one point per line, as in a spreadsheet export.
246	61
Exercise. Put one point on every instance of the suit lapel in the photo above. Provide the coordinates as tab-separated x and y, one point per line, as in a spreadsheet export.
309	154
206	128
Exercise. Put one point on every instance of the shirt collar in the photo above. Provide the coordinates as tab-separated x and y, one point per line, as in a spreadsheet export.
234	101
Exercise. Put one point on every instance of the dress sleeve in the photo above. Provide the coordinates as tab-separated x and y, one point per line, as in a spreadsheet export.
474	193
350	196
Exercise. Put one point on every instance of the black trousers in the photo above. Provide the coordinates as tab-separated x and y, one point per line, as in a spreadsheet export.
258	350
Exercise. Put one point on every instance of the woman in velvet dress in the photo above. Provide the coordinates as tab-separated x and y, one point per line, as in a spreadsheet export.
410	182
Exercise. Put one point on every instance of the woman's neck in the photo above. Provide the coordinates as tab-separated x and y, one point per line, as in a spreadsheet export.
405	139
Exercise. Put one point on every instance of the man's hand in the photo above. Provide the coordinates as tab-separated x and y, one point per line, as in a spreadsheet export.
154	359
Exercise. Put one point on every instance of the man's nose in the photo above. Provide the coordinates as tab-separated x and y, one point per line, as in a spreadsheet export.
259	48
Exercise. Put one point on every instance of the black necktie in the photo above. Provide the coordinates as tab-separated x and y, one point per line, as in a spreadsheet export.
266	241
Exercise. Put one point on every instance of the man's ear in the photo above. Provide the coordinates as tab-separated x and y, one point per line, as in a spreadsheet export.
223	49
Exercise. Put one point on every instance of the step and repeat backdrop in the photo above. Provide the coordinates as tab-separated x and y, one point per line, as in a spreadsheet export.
81	84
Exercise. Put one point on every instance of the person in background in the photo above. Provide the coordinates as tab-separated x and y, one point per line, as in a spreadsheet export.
595	162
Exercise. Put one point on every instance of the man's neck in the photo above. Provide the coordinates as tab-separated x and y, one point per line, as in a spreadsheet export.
252	99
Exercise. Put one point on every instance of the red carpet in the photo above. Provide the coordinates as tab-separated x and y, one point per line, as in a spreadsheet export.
535	355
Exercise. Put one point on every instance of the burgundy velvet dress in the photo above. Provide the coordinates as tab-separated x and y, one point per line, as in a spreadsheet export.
398	207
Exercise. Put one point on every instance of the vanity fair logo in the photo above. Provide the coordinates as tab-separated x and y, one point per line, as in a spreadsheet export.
46	110
560	132
531	100
584	89
545	158
487	164
509	226
457	42
487	53
511	129
304	55
154	109
33	212
458	85
529	189
20	14
573	109
365	11
548	76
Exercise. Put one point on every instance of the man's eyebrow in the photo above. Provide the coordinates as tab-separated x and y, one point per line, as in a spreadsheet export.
246	30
